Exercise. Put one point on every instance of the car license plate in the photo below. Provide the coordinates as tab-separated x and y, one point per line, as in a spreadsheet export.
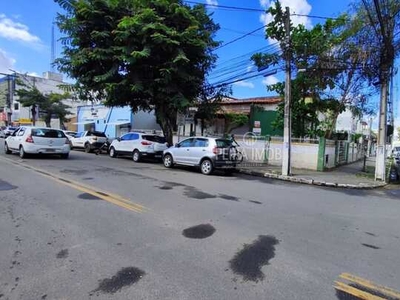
50	150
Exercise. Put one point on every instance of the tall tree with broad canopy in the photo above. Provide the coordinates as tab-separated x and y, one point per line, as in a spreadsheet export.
148	54
328	60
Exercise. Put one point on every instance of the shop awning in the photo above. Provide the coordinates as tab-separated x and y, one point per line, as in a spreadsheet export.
84	123
116	123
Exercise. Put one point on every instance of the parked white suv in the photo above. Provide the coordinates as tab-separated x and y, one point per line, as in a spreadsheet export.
138	145
37	140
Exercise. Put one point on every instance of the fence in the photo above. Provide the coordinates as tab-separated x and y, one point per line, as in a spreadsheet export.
312	154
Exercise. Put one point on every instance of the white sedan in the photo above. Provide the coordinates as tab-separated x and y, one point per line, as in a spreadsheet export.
138	145
37	140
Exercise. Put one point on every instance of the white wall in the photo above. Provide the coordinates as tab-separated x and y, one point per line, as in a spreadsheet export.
304	155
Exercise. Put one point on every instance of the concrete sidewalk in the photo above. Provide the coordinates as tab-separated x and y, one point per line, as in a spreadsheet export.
347	176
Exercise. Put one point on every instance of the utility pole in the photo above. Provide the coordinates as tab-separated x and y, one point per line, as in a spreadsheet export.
10	97
380	167
287	122
369	137
386	63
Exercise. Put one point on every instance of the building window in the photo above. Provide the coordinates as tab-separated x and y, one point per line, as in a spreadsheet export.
16	106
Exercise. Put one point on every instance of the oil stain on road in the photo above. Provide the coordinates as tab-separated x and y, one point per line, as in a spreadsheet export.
227	197
255	202
249	261
124	277
5	186
87	196
371	246
63	253
201	231
194	193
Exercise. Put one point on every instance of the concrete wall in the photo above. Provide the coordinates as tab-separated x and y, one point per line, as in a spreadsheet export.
304	155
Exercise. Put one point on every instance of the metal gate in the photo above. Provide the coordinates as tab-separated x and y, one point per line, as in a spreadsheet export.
340	152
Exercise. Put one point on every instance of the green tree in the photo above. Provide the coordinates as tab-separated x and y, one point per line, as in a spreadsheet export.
209	104
148	54
50	105
327	60
234	120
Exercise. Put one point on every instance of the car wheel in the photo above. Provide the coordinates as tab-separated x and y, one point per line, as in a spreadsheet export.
113	153
206	167
22	153
168	161
6	149
65	155
136	156
88	149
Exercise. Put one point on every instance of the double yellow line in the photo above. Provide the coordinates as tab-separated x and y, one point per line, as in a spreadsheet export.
106	196
364	289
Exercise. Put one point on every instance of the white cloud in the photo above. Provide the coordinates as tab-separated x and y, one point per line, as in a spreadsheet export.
301	7
250	68
6	62
212	2
16	31
269	80
244	83
34	74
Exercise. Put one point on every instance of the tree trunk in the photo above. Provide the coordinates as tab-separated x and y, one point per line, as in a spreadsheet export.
332	128
164	120
33	111
48	122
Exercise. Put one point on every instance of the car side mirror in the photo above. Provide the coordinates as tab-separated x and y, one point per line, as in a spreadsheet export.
118	139
177	145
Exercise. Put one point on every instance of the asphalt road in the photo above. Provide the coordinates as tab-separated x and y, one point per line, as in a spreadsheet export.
93	227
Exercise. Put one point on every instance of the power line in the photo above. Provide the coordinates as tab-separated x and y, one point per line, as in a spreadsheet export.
239	38
250	9
249	53
217	85
314	17
228	7
240	32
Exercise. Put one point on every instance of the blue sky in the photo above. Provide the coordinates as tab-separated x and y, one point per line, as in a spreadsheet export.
25	36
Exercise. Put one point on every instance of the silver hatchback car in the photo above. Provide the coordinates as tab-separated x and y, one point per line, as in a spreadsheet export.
204	152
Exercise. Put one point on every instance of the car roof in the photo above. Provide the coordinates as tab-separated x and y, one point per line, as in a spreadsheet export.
206	137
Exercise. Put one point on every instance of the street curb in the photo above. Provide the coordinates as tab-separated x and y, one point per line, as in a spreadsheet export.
361	186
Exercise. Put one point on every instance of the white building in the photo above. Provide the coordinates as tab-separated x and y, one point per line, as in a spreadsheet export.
49	82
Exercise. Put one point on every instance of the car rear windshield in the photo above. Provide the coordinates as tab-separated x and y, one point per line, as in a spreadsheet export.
96	133
154	138
47	133
223	143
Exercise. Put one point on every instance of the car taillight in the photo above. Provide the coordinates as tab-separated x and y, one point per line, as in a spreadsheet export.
215	150
29	139
145	143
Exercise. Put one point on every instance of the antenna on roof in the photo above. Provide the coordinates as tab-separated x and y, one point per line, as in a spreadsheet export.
53	48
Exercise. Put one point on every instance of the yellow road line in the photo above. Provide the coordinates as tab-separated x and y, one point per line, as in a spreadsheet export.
355	292
370	285
112	198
